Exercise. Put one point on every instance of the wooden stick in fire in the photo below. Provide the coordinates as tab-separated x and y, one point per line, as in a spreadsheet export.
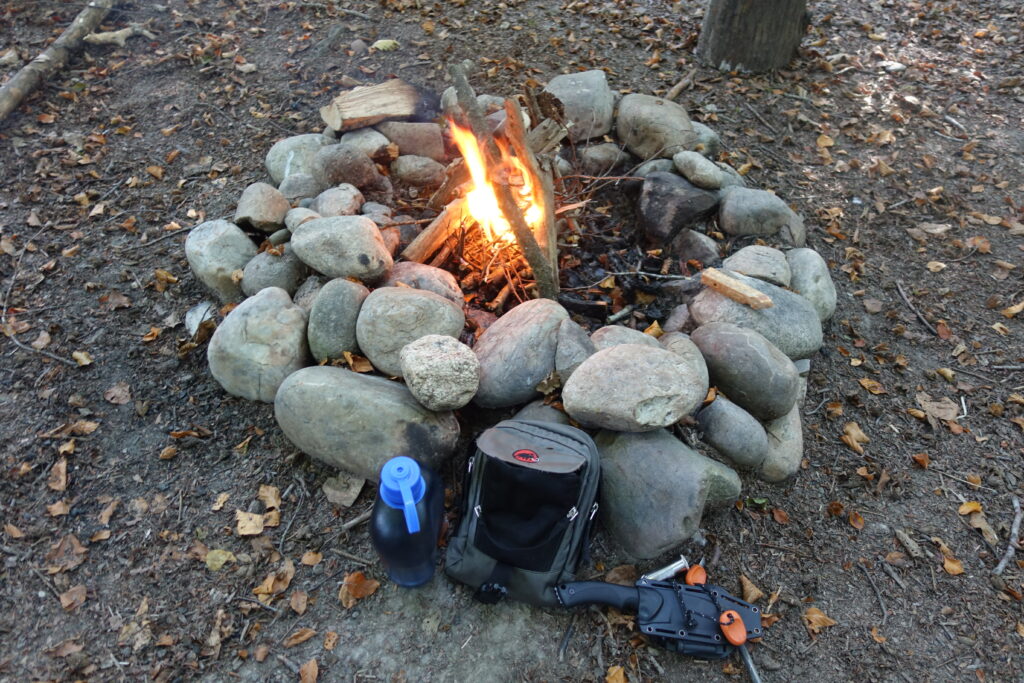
547	282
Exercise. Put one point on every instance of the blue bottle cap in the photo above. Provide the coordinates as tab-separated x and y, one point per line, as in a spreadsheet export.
401	487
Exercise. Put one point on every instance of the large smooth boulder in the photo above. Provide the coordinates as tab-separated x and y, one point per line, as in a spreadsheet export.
332	319
681	345
299	186
428	278
698	169
343	200
262	207
748	368
268	269
633	388
343	246
654	127
668	202
572	348
215	250
368	141
785	447
440	371
734	433
293	155
587	100
344	163
791	323
601	159
746	211
708	142
358	422
260	342
419	139
392	317
417	171
517	353
613	335
764	263
811	279
654	490
692	245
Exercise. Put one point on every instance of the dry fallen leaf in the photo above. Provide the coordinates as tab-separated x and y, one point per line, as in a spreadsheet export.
58	509
65	555
270	496
222	499
308	672
969	507
751	593
217	557
624	575
58	480
616	674
68	647
311	558
73	598
953	566
119	394
13	531
816	620
873	386
856	520
298	601
272	518
82	357
780	516
276	582
854	437
876	637
921	460
300	636
248	523
168	452
330	640
355	587
978	521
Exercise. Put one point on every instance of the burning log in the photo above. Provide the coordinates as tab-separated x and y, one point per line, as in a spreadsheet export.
359	107
437	233
545	274
455	175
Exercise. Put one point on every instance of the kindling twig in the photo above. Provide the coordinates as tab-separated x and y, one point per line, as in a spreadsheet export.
878	594
760	118
1011	547
906	300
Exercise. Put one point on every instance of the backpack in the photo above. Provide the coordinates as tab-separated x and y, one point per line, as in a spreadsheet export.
530	501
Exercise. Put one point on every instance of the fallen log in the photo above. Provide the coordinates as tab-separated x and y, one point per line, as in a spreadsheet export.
734	289
360	107
437	232
52	58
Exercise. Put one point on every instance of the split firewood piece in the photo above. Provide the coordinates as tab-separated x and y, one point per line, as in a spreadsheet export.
365	106
546	136
455	175
437	232
52	58
734	289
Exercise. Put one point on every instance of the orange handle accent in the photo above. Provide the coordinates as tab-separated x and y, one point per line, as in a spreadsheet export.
732	626
696	576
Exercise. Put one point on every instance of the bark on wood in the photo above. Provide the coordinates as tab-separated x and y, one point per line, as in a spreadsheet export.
360	107
545	136
435	234
53	57
547	281
735	290
751	35
455	175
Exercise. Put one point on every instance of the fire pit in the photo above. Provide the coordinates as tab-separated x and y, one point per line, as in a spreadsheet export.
343	282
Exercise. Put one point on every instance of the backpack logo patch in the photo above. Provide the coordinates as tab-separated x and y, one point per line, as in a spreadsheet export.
526	455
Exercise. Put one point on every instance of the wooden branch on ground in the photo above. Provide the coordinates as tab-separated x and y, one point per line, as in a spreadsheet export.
547	283
734	289
118	38
53	57
435	234
360	107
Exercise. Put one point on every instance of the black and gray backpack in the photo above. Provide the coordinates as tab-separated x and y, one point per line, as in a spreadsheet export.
530	500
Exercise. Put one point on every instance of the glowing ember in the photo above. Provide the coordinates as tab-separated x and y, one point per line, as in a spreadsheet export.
481	200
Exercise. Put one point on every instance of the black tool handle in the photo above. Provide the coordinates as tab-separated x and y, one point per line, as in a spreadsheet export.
625	598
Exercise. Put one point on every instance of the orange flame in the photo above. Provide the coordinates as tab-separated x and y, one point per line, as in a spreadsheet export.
481	199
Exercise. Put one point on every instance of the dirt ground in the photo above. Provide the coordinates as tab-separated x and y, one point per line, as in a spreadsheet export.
897	134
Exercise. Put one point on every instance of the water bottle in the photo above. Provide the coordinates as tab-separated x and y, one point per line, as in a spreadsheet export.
407	519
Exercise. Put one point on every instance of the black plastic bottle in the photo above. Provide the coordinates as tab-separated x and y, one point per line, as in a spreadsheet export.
407	519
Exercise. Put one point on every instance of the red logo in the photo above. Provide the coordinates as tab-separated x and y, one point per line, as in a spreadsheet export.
526	455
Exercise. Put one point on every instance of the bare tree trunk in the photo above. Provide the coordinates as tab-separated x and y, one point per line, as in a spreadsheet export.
751	35
53	57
